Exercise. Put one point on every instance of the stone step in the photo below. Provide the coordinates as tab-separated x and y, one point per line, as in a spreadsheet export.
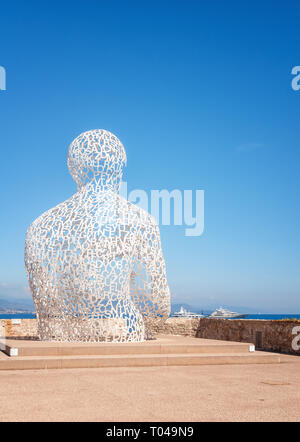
37	348
137	360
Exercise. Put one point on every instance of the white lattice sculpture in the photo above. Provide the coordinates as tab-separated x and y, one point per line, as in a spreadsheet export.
94	262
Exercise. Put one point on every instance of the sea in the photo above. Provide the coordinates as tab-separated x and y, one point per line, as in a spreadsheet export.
250	316
18	316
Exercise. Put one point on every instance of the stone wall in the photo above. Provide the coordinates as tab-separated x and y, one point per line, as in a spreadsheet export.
27	328
265	335
177	326
18	328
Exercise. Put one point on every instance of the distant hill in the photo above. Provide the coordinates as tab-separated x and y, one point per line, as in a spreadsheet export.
20	304
27	305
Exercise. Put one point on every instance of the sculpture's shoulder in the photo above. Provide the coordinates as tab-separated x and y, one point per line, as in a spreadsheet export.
141	216
52	217
103	206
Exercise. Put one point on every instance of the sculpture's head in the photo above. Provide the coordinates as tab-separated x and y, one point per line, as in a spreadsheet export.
97	155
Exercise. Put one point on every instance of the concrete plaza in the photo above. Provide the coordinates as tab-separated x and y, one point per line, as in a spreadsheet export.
255	392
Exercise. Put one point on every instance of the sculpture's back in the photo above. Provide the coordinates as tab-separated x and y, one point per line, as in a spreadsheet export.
94	262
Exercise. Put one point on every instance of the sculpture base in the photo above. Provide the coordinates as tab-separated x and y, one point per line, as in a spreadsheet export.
165	351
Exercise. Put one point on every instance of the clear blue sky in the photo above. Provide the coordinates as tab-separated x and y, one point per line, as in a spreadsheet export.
200	95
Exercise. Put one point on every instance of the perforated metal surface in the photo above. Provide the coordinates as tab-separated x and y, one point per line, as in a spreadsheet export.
94	262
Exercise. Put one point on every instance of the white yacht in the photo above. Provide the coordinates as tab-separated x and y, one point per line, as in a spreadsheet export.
225	314
183	313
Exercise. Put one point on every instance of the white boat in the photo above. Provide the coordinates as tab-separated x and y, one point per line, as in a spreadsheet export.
225	314
183	313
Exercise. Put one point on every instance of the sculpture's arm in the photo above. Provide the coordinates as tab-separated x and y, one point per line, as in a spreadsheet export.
149	283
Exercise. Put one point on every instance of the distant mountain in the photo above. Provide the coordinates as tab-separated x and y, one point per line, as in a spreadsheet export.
27	305
20	304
